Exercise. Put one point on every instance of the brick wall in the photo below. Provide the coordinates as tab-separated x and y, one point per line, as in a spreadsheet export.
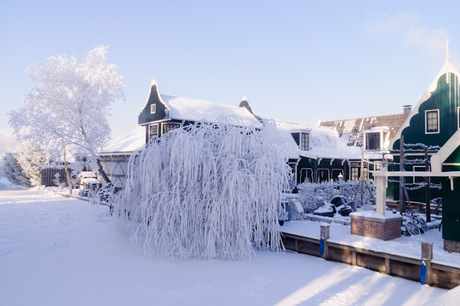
381	229
452	246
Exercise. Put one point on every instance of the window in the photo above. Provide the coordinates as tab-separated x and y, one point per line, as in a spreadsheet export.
306	175
373	141
153	131
304	141
153	108
302	138
322	175
170	126
432	121
354	173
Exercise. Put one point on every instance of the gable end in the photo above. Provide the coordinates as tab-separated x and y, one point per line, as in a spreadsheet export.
155	109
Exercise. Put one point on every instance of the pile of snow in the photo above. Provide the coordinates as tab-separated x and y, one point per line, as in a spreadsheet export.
212	191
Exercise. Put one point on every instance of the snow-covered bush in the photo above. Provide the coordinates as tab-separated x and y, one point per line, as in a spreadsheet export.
12	170
313	195
212	191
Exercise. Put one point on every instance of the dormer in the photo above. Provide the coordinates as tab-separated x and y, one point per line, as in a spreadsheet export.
302	138
376	138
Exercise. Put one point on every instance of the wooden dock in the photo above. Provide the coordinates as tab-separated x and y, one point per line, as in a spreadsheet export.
440	275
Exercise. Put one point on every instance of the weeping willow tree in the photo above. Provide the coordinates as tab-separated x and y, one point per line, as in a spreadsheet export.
208	192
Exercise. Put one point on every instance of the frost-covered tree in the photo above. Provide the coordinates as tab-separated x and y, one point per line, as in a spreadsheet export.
67	109
32	158
212	191
12	170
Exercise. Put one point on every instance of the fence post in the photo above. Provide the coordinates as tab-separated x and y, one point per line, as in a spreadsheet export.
427	256
324	236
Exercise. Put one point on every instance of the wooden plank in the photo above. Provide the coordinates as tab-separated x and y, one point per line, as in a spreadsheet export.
406	267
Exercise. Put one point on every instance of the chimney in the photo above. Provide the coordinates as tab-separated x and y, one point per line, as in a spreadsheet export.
407	110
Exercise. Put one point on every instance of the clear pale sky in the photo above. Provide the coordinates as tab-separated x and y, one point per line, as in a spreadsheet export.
299	61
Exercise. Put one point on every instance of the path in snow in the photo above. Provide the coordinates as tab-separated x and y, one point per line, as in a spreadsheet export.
58	251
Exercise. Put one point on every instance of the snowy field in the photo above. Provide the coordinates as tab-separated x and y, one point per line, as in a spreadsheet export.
59	251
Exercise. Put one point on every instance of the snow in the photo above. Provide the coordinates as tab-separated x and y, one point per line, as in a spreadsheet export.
128	142
373	215
412	244
203	111
324	142
60	251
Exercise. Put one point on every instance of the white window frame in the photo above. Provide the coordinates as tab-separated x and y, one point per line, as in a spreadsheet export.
426	121
328	174
150	126
306	175
366	144
304	146
153	109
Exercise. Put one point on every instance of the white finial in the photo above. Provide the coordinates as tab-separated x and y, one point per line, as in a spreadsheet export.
153	82
244	99
447	51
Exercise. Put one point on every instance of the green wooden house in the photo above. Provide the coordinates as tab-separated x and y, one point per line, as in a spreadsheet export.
434	122
163	113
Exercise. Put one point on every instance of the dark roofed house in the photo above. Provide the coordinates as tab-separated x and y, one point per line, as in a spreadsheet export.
163	113
375	132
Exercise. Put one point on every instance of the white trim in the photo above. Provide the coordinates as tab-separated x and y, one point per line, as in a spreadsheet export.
153	83
445	151
458	117
148	129
448	67
306	174
426	121
413	169
153	109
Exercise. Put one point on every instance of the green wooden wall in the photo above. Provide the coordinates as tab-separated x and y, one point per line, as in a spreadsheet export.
145	116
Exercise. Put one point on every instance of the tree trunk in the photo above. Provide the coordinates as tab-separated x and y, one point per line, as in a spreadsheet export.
67	174
102	172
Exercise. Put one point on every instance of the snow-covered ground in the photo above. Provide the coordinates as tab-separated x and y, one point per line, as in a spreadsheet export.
59	251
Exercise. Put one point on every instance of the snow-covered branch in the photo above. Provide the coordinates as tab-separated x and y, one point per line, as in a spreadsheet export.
212	191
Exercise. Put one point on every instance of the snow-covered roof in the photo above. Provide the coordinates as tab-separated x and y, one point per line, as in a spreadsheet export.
324	142
127	142
203	111
351	130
